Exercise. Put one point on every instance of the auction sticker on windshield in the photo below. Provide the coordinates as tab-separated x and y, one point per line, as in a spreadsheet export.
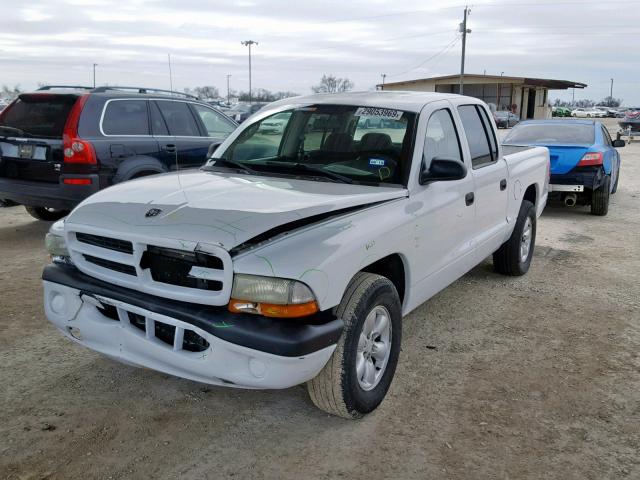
379	112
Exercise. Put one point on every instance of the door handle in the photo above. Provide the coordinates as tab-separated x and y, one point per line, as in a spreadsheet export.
468	198
171	148
503	184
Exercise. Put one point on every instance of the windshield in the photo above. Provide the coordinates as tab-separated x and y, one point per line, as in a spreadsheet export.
39	115
328	142
550	133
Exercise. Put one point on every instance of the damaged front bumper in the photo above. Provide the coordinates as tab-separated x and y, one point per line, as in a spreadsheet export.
201	343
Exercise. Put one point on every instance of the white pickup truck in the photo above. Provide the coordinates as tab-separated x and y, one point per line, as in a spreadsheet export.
293	255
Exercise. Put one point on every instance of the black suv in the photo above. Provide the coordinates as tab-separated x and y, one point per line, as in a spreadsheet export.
58	145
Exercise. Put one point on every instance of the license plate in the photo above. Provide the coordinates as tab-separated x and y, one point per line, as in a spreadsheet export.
25	151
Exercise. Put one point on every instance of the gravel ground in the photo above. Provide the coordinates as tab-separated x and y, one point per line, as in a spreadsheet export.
528	378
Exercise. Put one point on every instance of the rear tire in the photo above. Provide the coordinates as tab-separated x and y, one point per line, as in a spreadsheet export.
357	377
46	214
513	258
600	198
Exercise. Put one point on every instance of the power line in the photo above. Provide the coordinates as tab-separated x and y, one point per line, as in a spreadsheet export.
444	50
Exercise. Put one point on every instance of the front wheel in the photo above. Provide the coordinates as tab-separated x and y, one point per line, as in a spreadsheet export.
514	256
358	375
46	214
600	198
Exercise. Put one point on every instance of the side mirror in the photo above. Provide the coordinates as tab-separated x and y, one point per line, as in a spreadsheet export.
212	148
442	170
619	143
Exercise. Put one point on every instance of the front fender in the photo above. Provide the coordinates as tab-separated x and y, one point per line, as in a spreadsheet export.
327	255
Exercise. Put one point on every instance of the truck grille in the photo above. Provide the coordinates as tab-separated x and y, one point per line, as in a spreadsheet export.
182	271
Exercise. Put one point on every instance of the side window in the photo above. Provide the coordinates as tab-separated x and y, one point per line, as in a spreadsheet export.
126	117
606	137
476	136
442	138
178	118
158	126
214	123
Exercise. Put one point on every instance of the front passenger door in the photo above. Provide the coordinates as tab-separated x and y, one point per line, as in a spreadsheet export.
444	215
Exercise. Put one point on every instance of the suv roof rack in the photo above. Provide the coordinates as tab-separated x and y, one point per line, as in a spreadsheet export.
143	90
73	87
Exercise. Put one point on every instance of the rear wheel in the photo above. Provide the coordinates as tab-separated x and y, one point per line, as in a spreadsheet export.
358	375
600	198
46	214
514	256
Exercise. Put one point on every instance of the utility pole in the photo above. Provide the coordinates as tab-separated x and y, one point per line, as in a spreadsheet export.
228	96
464	30
611	94
384	75
94	74
248	43
170	74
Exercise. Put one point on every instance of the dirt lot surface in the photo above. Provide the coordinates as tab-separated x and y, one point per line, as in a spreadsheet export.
509	378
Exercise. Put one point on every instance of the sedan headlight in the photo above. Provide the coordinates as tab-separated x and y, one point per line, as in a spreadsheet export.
271	297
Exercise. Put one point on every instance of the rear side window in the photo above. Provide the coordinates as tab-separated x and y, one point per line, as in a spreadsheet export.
214	123
126	117
178	118
41	115
477	139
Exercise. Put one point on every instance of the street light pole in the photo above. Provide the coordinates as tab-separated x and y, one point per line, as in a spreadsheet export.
464	30
228	95
384	75
94	74
611	94
248	43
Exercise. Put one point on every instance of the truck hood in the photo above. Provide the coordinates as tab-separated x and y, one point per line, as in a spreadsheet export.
216	208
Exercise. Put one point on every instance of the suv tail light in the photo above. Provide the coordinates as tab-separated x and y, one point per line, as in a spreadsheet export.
590	158
77	150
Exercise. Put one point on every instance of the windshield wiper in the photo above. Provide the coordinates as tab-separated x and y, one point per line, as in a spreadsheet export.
225	162
15	130
310	168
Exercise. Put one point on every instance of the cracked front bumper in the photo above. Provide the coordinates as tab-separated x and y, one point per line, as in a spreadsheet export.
153	335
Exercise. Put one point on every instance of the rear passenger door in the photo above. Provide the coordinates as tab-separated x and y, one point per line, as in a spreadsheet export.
126	133
490	176
178	133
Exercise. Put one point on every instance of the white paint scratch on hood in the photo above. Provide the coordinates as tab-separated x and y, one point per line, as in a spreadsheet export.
217	208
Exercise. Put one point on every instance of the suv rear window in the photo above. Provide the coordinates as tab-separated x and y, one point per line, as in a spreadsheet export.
126	117
40	114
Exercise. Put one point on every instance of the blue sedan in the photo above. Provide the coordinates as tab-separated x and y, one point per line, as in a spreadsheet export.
585	164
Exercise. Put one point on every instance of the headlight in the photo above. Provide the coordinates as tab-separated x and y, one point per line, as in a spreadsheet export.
271	297
56	245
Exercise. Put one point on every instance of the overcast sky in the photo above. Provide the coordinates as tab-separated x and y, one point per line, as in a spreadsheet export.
57	42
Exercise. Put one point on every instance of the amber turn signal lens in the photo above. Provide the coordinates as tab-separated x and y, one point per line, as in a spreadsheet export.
273	310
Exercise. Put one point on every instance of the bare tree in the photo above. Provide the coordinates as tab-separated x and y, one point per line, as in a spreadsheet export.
205	93
611	102
332	84
11	93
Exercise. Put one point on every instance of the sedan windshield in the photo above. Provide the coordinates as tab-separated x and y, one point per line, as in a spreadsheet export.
550	133
338	143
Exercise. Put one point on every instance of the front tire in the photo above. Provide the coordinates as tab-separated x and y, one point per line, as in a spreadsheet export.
513	258
358	375
600	198
46	214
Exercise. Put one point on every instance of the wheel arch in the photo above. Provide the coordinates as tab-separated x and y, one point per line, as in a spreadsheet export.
137	166
531	194
393	267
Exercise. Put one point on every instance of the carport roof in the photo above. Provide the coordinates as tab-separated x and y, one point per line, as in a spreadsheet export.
549	83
